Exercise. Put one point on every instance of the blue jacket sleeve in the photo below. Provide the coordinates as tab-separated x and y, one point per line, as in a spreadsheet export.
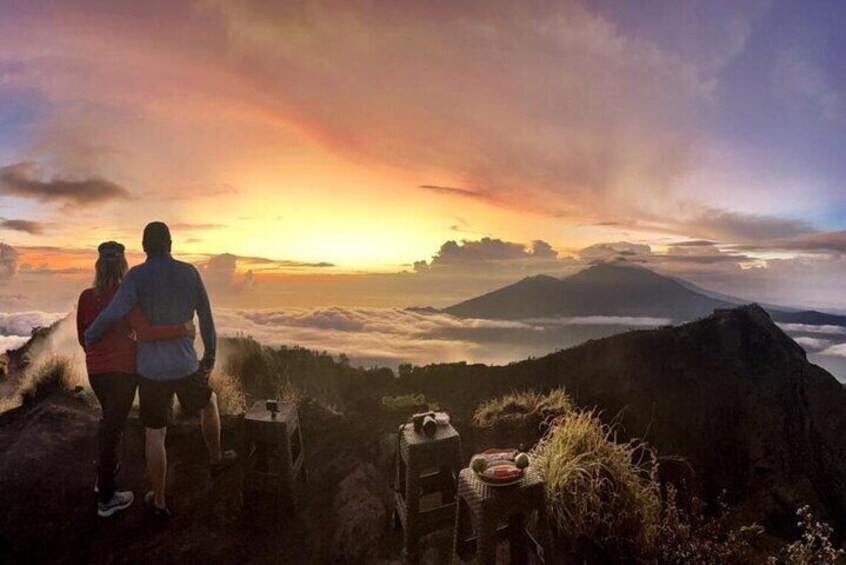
207	330
124	299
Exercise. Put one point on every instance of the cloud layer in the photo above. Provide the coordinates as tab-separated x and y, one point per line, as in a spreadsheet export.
368	335
392	336
22	323
16	327
26	226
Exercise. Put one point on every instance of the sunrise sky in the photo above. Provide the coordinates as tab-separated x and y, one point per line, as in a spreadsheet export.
416	153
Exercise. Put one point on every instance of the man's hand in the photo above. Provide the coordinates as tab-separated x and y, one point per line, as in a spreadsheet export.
206	367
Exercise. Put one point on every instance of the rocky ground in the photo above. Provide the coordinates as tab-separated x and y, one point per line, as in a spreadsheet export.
49	509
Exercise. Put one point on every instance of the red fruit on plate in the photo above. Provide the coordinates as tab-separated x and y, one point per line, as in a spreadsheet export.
502	472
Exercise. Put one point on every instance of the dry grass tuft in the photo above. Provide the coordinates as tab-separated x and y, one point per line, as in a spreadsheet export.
9	403
231	399
530	403
601	499
289	392
47	374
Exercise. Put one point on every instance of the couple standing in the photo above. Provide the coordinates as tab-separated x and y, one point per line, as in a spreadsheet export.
137	331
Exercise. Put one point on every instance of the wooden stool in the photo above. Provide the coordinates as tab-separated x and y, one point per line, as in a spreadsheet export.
425	466
485	514
274	456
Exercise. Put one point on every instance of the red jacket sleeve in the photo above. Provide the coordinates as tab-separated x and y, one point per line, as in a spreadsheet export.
81	324
145	332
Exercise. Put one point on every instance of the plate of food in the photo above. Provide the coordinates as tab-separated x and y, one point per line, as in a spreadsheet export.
500	467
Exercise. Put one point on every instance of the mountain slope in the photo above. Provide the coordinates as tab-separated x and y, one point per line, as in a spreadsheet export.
614	290
601	290
731	394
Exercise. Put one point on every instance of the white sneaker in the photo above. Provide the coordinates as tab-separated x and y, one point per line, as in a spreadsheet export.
120	501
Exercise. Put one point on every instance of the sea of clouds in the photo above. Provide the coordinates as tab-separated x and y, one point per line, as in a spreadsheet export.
390	336
379	336
819	341
16	327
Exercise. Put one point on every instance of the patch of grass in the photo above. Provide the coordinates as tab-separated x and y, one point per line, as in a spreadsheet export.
9	402
543	407
602	499
46	375
403	401
606	505
289	392
231	399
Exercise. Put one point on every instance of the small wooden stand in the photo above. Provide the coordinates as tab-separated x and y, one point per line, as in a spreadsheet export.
424	466
274	456
485	514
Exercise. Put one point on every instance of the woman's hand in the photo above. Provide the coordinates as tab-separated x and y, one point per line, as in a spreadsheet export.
190	329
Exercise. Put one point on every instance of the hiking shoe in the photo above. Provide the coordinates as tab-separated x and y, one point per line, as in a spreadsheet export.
227	460
120	501
158	514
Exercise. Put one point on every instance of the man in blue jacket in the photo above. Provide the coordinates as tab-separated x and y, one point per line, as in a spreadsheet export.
169	292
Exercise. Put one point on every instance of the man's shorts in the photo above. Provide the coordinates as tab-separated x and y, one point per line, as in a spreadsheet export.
156	397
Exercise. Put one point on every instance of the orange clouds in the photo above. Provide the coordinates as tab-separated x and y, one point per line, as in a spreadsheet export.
543	109
337	137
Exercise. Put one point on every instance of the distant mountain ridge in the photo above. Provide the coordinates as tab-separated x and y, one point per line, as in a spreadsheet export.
615	290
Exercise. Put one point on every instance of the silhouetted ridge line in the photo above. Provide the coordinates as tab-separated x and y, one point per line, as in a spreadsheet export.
615	291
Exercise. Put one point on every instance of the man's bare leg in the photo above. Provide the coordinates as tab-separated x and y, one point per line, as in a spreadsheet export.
210	423
157	463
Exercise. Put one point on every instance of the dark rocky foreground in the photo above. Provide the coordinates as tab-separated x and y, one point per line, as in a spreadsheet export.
730	403
48	509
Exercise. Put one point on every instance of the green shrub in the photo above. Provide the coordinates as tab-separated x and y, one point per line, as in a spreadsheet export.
268	372
403	401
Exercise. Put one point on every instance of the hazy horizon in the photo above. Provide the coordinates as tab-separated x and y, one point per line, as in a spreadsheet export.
388	337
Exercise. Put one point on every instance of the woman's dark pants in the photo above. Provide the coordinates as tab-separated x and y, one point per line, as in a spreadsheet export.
116	392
